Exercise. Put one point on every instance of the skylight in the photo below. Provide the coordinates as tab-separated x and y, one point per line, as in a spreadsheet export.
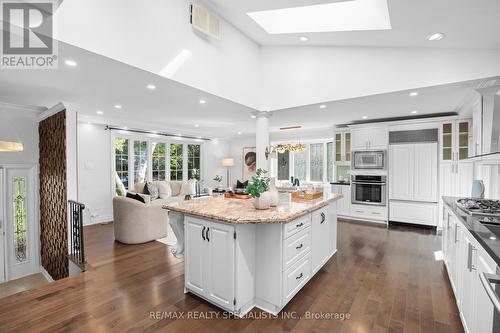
352	15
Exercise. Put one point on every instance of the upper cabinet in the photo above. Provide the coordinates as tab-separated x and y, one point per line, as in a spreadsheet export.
342	147
456	139
370	138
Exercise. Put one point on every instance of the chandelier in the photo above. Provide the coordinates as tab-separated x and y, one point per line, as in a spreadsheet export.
291	147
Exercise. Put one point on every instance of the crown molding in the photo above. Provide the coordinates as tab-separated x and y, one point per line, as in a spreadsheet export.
52	111
30	108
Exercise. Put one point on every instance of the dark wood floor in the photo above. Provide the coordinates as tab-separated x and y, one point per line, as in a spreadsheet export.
387	280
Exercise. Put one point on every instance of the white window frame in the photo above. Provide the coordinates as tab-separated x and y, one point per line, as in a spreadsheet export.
324	141
150	138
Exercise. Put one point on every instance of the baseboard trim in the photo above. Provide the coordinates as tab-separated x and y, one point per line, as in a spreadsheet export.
100	219
46	274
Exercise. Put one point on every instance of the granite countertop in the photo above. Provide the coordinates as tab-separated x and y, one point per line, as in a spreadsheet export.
489	240
242	211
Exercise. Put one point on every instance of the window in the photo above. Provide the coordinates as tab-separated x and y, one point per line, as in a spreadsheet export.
140	161
194	166
176	161
329	161
316	156
299	166
159	158
20	223
284	165
121	160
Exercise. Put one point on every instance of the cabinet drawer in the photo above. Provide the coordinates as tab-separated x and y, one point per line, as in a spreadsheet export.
296	277
413	212
296	225
296	247
369	212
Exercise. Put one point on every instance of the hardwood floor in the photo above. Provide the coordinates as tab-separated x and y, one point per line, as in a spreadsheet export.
386	280
22	284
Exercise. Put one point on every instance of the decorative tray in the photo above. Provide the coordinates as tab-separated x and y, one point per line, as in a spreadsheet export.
237	196
307	196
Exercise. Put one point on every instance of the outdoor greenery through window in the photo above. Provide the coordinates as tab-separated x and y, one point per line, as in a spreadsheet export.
316	164
121	160
20	215
140	161
284	165
176	161
194	157
159	161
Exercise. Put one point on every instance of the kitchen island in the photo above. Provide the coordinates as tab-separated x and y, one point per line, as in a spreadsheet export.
237	257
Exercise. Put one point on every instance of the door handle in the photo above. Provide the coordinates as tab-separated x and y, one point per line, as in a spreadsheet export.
299	277
208	229
322	218
299	247
299	225
203	233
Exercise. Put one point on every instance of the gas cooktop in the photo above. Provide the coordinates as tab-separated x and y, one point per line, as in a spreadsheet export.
480	207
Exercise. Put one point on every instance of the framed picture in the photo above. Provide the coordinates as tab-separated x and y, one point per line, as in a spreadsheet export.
249	162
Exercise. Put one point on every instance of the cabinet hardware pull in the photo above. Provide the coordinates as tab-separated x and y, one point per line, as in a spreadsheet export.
322	218
456	233
469	257
203	233
299	225
299	247
208	239
300	276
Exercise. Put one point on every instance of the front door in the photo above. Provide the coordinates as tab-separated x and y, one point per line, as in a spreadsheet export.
20	255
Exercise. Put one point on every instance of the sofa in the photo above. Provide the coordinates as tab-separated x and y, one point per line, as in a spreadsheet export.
136	222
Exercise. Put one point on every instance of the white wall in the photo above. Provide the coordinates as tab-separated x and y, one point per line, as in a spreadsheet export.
94	173
236	152
115	28
213	153
294	76
19	125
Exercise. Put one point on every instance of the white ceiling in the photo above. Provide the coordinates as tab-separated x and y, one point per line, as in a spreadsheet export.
466	23
98	83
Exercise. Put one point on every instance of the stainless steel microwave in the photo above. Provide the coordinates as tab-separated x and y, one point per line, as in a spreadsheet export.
369	160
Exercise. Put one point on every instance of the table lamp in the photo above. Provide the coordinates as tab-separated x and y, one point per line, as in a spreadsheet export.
227	163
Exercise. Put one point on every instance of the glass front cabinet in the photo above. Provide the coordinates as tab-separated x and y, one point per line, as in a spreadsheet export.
456	138
342	155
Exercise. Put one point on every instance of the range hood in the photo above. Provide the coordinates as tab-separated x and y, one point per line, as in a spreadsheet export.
490	121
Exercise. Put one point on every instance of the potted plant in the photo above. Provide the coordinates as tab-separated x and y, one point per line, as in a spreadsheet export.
218	179
258	189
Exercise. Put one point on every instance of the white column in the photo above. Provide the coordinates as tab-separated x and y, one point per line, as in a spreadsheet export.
262	139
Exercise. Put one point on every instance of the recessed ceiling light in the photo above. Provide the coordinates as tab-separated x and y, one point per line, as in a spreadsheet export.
413	94
70	63
493	238
151	86
196	125
365	117
240	133
202	101
436	36
322	106
414	112
99	112
253	116
304	39
118	106
337	16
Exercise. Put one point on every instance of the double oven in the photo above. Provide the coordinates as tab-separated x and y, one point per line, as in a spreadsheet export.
369	188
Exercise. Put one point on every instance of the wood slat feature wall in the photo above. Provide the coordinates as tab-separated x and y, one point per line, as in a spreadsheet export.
53	195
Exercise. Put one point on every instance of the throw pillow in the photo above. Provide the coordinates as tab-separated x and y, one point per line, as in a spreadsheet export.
135	196
241	184
145	189
152	190
164	189
189	187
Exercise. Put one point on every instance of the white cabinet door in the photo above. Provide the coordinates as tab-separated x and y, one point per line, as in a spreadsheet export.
320	245
425	172
346	203
463	179
360	138
467	280
484	309
220	263
401	172
378	138
447	178
195	255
